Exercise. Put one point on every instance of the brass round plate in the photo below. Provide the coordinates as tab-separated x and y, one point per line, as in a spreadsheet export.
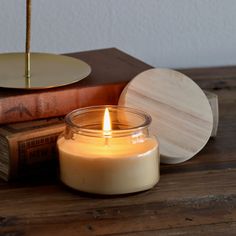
47	71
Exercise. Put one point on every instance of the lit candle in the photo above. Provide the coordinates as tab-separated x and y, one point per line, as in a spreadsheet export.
115	157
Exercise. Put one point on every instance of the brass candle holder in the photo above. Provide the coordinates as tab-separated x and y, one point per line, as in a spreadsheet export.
28	70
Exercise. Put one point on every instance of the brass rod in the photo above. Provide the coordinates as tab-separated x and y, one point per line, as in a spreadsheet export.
27	41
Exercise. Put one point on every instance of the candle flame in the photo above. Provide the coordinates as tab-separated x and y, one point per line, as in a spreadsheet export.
107	123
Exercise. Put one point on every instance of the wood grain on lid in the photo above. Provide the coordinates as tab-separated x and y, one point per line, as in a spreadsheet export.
181	114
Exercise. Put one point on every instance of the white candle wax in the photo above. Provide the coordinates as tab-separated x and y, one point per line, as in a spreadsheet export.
109	165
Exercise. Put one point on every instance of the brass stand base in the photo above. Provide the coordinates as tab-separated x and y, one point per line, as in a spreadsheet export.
47	71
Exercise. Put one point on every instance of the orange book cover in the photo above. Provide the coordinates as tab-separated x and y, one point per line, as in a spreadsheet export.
111	71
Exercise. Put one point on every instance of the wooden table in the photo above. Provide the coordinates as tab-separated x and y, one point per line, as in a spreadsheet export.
197	197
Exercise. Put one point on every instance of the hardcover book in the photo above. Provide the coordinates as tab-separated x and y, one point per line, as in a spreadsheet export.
28	147
111	71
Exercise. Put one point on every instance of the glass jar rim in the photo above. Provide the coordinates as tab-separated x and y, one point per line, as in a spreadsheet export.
145	124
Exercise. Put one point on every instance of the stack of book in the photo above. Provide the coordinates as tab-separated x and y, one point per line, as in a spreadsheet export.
31	121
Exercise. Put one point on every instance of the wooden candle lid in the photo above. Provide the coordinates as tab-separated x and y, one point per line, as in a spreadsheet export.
182	117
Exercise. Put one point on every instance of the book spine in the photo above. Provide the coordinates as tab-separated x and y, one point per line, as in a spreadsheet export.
34	154
4	157
47	104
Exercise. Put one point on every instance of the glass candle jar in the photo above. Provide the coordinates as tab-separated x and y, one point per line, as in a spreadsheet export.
108	150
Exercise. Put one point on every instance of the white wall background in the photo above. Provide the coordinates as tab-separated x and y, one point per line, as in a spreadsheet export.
164	33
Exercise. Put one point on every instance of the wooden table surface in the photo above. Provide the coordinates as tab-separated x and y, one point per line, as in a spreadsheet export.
197	197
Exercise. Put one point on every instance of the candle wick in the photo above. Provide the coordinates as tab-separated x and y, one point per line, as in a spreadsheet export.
106	142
